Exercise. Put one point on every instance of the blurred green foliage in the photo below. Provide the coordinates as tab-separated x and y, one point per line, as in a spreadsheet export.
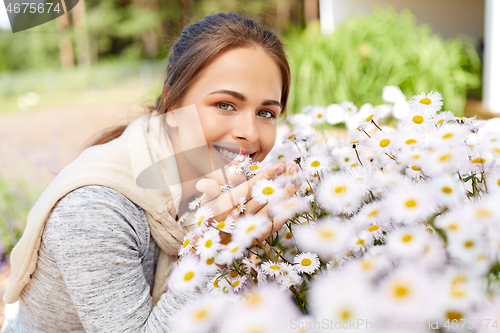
16	199
366	53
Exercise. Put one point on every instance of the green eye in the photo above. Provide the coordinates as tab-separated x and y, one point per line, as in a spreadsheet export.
224	106
266	114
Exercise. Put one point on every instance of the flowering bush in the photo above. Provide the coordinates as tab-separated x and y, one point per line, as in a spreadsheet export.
391	224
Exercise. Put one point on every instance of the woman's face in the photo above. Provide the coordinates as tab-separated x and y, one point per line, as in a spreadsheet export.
237	98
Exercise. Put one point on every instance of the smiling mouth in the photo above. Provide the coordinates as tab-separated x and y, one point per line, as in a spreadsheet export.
232	155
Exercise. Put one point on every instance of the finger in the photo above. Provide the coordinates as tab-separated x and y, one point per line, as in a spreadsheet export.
210	188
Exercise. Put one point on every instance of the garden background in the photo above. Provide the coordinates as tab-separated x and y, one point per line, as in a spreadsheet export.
103	62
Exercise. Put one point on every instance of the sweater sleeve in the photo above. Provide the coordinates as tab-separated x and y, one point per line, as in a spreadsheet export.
98	239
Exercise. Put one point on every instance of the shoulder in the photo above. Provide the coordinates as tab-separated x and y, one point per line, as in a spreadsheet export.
96	211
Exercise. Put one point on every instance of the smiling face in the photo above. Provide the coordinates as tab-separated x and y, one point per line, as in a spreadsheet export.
237	98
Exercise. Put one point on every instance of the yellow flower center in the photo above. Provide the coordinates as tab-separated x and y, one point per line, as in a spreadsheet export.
369	118
410	203
251	228
235	283
267	190
288	235
291	137
447	190
275	267
373	213
220	225
280	156
445	157
440	121
253	167
306	262
360	242
201	219
478	160
216	283
210	261
410	141
415	168
453	226
425	101
208	243
483	213
447	135
453	315
384	143
319	115
188	276
314	164
469	244
234	249
186	243
401	291
201	314
345	315
373	227
407	238
326	234
418	119
339	189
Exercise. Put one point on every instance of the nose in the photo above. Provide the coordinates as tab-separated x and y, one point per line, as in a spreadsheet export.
245	127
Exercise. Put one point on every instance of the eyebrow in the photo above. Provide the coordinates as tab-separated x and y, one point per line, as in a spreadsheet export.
243	98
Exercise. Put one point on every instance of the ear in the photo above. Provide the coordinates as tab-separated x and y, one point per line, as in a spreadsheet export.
170	117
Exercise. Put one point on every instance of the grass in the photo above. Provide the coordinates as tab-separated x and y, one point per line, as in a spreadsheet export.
100	85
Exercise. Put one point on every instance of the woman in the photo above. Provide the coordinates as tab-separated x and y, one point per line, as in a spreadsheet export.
103	236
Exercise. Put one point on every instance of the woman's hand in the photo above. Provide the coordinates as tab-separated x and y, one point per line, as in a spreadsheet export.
223	204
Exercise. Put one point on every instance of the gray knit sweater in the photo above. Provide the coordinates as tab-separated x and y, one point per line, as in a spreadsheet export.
95	270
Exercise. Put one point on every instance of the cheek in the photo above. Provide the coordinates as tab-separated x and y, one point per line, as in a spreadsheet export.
268	139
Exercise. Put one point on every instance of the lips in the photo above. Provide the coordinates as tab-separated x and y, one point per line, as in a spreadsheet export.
232	155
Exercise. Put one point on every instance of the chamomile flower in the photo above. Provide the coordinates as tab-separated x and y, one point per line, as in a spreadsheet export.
377	229
249	227
208	244
335	191
195	203
187	275
273	269
316	164
449	135
382	143
201	217
318	114
352	301
240	207
335	114
451	222
234	250
430	103
371	213
407	293
407	242
238	282
266	190
443	118
419	120
349	108
200	315
448	190
327	238
410	204
467	245
285	152
360	242
410	140
253	168
287	209
187	243
288	279
392	94
306	262
225	226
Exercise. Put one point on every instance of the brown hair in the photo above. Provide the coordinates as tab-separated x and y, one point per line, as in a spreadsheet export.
198	44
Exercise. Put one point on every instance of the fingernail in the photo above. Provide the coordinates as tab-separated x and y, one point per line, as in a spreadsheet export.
280	170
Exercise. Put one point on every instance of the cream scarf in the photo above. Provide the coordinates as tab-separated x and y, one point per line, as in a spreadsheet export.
116	164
